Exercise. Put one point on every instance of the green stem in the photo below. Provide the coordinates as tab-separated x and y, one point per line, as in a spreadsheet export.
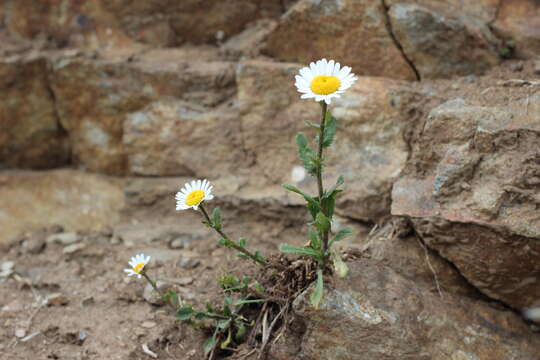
232	243
324	235
154	285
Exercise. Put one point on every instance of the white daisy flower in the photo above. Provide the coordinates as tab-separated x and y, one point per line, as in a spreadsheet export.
193	194
324	80
137	263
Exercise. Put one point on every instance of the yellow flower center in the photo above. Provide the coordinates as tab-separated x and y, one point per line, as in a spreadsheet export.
137	268
324	84
194	197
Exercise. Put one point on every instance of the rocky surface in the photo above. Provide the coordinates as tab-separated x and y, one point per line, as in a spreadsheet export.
379	314
473	194
72	199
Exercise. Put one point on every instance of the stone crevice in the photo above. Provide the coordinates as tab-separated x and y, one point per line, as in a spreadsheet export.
395	40
61	129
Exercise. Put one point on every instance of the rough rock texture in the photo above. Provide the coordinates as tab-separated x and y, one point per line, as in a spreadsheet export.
33	200
370	138
353	32
31	135
472	187
377	314
518	21
440	44
127	23
115	91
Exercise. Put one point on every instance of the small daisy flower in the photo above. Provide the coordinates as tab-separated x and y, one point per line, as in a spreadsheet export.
193	194
324	80
137	263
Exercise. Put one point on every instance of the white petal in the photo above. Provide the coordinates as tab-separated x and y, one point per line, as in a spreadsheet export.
344	72
209	197
307	96
139	276
182	207
330	67
306	74
195	207
313	67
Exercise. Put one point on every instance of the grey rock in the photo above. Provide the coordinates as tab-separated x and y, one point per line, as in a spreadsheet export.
67	238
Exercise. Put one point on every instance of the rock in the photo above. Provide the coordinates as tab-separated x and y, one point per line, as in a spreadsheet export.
469	47
73	248
105	118
67	238
249	42
171	138
32	200
57	299
32	136
518	21
7	268
340	30
154	298
81	337
34	245
20	333
537	67
88	301
472	195
148	324
376	313
188	263
370	137
180	240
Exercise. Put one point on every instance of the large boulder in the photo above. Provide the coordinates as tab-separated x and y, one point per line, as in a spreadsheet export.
375	313
471	188
75	200
31	135
353	32
370	141
95	97
441	42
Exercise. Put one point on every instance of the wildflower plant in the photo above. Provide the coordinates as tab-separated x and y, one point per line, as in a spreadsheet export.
227	324
322	81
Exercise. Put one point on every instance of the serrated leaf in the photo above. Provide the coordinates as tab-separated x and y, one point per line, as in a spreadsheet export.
209	344
339	265
315	240
322	223
252	301
342	234
299	250
306	155
171	297
317	294
312	203
242	242
332	191
216	218
184	313
329	204
329	130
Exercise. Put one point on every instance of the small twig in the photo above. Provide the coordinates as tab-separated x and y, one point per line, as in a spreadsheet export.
269	331
430	266
149	352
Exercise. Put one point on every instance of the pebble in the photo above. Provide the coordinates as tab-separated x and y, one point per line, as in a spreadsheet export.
64	238
537	67
150	295
57	299
184	280
35	245
148	324
20	333
7	268
88	301
516	67
82	336
188	263
70	249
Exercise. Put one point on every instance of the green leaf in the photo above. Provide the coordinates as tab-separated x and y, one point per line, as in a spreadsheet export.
329	130
322	223
306	155
299	250
216	218
253	301
339	265
209	344
311	123
258	288
223	324
317	294
227	341
184	313
334	189
315	240
329	204
240	332
312	203
242	242
342	234
171	297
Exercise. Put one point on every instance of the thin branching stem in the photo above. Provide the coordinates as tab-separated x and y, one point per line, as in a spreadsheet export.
231	243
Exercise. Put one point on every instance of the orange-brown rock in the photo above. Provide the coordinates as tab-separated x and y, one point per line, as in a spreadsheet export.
353	32
31	135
